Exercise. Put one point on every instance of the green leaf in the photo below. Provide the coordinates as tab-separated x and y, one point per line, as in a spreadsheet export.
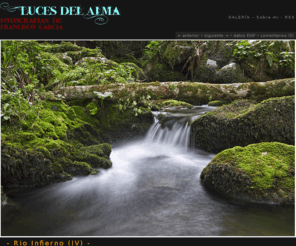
93	111
5	106
269	59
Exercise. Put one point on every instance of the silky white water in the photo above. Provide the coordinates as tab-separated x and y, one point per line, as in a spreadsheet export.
152	189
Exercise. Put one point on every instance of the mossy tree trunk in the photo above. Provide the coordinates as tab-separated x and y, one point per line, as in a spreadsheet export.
195	93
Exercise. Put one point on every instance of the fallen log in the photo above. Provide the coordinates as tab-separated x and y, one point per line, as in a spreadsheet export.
192	92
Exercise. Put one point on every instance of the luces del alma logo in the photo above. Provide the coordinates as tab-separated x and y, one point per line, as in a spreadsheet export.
98	13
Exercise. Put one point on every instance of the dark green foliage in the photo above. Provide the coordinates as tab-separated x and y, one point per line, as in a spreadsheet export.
266	60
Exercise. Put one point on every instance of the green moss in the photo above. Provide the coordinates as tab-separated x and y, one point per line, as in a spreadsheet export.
174	104
78	168
3	136
234	109
83	116
22	138
102	150
93	172
263	171
265	162
61	131
52	145
51	117
243	122
95	161
43	150
46	126
58	106
20	166
57	168
38	130
218	103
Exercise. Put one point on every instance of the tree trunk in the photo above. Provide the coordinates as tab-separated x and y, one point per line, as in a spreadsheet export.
192	92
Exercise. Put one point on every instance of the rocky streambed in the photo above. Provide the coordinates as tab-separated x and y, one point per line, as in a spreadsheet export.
255	146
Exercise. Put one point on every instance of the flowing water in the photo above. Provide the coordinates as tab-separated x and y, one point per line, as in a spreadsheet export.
152	189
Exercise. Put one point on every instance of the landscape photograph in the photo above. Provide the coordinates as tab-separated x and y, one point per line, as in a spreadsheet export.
173	138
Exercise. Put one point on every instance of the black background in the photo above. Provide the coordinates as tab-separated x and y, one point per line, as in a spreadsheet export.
156	19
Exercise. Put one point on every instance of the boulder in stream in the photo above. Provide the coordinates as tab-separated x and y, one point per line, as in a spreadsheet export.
261	173
244	122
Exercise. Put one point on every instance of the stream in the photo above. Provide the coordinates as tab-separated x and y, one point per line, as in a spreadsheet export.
152	189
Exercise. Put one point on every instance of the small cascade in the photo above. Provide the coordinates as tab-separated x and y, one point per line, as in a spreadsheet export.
175	133
172	126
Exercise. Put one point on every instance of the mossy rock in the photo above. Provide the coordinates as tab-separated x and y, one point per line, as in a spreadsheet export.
78	168
103	150
87	134
218	103
174	104
46	152
21	167
262	172
94	160
244	122
231	73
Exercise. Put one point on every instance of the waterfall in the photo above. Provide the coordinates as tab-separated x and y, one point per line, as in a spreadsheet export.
171	130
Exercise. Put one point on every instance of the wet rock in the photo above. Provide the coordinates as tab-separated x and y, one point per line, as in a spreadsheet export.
231	73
